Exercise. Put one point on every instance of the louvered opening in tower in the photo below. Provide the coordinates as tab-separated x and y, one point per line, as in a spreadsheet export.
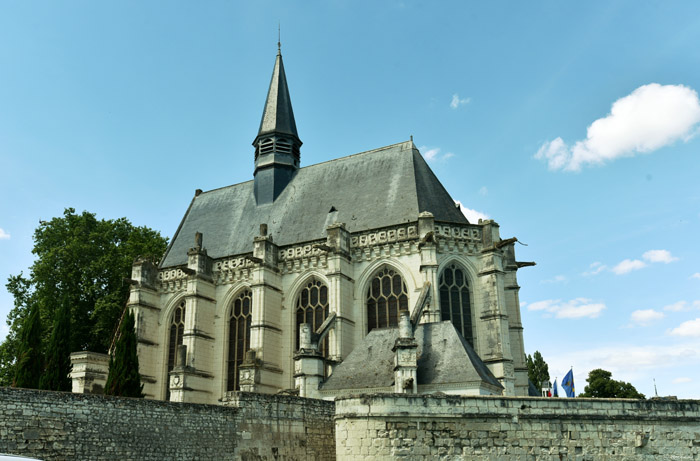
266	146
283	147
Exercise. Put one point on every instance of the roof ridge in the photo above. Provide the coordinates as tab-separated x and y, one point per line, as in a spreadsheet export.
366	152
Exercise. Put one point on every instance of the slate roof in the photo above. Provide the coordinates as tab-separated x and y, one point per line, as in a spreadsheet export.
374	189
278	116
444	357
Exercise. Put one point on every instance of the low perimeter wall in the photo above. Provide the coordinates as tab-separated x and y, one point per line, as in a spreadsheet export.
515	428
65	426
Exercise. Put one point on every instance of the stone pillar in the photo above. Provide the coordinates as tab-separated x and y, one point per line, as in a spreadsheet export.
182	377
89	372
266	331
308	364
249	372
405	358
193	382
340	277
515	326
493	334
144	303
429	264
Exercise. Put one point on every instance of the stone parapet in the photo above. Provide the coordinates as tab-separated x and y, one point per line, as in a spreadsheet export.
89	372
513	428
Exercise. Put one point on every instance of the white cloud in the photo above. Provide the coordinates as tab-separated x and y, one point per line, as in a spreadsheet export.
652	256
430	154
625	361
457	101
680	306
4	235
659	256
483	190
644	317
472	215
682	380
433	154
650	117
689	328
628	265
596	268
574	309
695	276
555	279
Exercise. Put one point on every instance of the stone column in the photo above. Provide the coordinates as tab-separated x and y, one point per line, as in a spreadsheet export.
405	358
249	372
197	363
493	334
266	332
429	264
515	326
308	364
89	372
340	277
144	303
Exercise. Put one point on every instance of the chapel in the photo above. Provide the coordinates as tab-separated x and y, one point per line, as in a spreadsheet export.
359	274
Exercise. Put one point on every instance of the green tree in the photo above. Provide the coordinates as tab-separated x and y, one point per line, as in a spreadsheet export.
55	377
537	370
19	288
30	360
124	378
80	262
601	385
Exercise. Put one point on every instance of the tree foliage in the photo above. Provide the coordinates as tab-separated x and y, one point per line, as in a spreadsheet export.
30	360
55	376
124	378
537	370
19	287
601	385
80	262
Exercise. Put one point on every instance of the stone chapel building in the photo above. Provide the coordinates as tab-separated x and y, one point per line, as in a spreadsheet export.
363	243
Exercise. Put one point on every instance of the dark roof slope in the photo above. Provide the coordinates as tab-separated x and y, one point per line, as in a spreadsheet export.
444	357
278	116
373	189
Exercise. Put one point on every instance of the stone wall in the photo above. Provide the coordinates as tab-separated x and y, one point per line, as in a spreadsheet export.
515	428
65	426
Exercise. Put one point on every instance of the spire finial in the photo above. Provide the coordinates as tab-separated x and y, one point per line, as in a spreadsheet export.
279	38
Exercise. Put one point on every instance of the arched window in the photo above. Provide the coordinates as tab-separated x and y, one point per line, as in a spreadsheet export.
312	308
177	330
386	296
238	336
455	303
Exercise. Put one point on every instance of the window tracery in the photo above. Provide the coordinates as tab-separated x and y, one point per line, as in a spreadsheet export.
177	330
386	296
240	319
312	308
455	301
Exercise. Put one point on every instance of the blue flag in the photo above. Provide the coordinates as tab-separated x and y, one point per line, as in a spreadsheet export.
556	390
568	384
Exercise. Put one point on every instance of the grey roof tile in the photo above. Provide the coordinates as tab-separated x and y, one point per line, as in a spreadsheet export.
374	189
444	357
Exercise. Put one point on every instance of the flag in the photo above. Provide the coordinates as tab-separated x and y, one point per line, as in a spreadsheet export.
556	391
568	384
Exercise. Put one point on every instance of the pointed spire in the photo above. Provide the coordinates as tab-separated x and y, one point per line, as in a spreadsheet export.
278	116
277	144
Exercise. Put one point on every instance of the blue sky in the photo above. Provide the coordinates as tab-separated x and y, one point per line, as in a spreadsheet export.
572	124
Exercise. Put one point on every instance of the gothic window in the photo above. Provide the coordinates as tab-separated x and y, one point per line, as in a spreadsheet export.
238	336
386	296
455	304
312	308
177	329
